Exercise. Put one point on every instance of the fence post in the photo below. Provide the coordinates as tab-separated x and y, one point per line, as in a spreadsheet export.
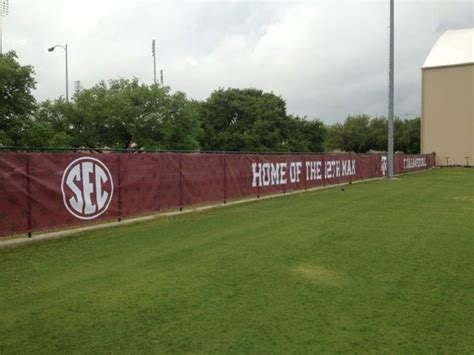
323	164
180	182
158	176
304	173
335	173
28	192
350	162
119	178
374	171
225	178
259	182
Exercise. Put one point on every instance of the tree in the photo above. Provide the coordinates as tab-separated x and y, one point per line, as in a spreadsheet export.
378	134
243	119
42	134
305	135
333	141
174	125
316	133
109	114
363	133
122	114
354	136
407	135
47	126
16	100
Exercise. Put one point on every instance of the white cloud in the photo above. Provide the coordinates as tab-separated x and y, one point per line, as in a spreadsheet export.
326	58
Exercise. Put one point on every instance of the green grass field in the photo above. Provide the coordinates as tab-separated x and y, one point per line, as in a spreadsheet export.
384	266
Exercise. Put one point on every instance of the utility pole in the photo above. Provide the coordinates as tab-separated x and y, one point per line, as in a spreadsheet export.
390	157
153	52
161	76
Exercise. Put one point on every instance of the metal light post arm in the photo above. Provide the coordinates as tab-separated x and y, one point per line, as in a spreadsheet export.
67	71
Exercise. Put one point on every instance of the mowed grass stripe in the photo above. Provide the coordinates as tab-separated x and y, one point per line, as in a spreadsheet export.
382	266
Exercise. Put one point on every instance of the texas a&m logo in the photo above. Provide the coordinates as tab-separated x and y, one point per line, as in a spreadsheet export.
87	188
383	165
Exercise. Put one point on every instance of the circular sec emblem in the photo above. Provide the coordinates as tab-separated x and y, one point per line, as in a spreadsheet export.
87	188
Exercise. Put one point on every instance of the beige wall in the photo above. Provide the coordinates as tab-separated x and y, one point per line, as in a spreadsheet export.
447	126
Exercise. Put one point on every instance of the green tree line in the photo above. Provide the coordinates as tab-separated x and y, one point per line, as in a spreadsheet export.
127	114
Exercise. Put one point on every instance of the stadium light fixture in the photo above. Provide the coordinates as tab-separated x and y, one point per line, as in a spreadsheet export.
153	53
50	49
4	7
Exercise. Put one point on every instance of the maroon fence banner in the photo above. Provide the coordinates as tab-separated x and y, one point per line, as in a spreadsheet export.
40	191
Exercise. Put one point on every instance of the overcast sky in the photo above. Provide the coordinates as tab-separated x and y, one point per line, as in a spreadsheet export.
327	59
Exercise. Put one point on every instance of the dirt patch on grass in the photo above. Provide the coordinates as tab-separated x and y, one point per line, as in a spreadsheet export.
319	274
464	198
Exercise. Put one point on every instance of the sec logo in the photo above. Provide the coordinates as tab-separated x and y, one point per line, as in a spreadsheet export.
87	188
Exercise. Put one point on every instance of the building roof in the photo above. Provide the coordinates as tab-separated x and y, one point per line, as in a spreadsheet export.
454	47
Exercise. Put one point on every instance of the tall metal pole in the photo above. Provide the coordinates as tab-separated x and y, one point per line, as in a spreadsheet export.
1	35
390	157
4	7
67	75
50	49
153	51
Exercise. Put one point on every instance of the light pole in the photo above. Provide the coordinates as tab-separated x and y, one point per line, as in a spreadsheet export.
391	94
3	12
50	49
153	53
